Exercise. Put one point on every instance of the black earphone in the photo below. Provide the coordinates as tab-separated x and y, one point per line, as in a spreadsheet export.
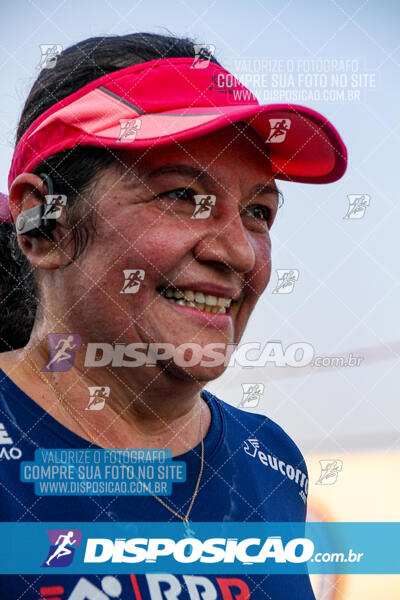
40	220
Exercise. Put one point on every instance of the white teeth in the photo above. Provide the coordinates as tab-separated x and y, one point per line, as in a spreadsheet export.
199	297
211	300
226	302
206	302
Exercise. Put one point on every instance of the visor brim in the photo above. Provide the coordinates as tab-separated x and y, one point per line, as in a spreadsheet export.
308	150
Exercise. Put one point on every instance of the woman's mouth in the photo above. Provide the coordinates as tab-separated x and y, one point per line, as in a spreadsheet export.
194	299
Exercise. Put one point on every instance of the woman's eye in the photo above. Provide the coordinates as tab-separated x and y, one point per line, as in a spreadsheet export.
179	193
259	211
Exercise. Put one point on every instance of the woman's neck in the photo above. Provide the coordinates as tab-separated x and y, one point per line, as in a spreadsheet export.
164	415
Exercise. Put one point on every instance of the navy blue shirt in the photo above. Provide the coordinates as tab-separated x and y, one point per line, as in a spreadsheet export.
253	471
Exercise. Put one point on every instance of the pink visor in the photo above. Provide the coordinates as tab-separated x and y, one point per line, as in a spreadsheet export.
175	99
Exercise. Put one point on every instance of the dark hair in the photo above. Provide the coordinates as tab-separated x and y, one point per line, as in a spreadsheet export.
73	171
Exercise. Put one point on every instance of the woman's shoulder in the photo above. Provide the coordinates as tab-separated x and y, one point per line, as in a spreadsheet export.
259	428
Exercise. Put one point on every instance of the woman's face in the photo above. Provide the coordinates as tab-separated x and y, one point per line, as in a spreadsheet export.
144	223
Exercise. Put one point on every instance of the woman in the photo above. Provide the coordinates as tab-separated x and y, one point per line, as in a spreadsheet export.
129	261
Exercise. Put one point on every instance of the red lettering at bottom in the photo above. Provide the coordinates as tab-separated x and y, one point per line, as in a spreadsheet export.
225	584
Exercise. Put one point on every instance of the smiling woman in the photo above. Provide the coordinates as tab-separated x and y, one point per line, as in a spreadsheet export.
135	246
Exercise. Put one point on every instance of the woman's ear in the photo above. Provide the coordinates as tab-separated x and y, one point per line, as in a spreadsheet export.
28	191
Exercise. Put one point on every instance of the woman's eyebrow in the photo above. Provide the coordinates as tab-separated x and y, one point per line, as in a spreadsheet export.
196	174
261	189
182	169
201	175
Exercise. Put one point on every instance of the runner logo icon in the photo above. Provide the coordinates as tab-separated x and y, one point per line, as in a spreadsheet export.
252	393
203	54
330	470
128	129
133	279
98	397
62	349
286	281
279	129
62	542
358	204
204	203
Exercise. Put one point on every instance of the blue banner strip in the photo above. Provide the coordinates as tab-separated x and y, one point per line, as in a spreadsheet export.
259	548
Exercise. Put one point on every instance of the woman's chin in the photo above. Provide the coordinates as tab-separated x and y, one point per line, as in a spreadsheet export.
198	373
